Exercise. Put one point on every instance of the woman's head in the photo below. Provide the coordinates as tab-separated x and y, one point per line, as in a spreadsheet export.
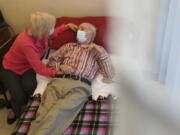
40	24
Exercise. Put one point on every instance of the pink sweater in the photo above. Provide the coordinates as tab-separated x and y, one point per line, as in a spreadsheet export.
26	53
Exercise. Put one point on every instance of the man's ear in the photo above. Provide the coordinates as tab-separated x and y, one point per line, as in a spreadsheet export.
90	40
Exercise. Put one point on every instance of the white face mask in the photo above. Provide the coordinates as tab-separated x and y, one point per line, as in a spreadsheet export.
51	31
81	36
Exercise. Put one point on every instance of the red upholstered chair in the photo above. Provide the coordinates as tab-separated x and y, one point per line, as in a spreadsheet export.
100	22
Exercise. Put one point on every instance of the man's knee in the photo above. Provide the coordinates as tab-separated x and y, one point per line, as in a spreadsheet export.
29	87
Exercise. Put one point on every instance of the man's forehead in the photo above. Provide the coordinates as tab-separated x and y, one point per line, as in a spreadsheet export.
83	25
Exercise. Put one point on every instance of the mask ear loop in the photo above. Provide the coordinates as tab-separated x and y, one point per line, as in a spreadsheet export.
89	40
51	31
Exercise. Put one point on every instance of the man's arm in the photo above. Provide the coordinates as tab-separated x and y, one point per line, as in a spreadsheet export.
105	66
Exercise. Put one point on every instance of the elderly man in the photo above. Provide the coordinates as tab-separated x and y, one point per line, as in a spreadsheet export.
79	64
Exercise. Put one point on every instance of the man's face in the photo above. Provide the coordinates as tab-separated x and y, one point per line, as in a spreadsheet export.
86	28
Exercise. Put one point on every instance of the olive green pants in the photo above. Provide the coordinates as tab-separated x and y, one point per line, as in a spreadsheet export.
61	102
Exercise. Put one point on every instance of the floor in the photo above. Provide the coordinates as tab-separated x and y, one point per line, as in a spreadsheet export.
5	129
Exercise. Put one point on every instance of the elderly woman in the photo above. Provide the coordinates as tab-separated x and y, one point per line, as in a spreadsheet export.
23	60
65	95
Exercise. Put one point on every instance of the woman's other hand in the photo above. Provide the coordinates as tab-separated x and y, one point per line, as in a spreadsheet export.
72	26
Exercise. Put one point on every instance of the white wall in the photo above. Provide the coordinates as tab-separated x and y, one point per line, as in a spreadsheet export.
138	29
143	107
17	12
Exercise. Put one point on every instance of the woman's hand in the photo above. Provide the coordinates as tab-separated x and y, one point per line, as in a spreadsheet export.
66	69
72	26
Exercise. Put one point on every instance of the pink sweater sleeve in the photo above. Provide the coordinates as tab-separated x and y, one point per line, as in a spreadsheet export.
34	60
58	30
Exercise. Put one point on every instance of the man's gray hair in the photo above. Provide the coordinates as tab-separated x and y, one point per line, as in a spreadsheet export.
93	30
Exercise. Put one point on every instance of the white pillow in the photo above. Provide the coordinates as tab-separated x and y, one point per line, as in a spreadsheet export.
99	88
42	82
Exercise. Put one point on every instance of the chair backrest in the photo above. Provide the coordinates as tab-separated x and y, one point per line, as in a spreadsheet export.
100	22
4	49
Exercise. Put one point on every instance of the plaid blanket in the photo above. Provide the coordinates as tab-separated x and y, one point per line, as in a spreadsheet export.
23	125
94	119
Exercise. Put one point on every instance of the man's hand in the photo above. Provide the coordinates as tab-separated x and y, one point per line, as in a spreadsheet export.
72	26
59	73
66	69
96	47
107	80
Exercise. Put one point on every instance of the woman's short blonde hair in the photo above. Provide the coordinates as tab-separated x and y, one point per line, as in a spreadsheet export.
40	24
